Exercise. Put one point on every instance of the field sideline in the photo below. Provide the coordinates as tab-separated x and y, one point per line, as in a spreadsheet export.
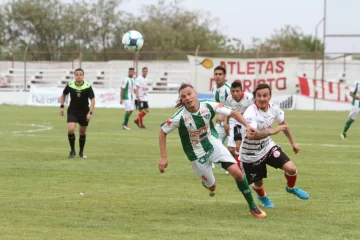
125	196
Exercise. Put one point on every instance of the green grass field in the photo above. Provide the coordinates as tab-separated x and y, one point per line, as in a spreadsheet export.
125	196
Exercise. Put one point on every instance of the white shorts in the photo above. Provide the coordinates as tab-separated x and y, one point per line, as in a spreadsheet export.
231	142
354	112
203	166
129	105
219	127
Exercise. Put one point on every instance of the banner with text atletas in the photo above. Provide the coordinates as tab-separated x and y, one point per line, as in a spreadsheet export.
279	73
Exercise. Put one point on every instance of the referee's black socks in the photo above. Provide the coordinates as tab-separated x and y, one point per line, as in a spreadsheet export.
71	138
82	141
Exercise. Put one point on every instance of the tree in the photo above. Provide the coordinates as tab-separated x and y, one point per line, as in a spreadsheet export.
290	39
169	27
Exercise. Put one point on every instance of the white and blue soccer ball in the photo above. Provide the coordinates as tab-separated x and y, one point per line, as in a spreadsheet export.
132	41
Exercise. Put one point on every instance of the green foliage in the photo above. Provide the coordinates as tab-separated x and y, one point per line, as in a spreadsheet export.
60	30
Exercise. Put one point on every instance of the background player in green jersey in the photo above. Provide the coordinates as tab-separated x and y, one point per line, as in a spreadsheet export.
355	94
200	143
127	91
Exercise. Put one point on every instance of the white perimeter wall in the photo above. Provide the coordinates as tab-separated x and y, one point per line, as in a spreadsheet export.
167	100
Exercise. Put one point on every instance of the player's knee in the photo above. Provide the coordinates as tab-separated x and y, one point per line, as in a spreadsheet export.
290	168
236	172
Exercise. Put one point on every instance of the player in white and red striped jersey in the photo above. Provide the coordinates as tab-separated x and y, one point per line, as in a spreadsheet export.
141	83
260	150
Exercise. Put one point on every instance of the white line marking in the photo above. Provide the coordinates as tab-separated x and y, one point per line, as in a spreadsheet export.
40	128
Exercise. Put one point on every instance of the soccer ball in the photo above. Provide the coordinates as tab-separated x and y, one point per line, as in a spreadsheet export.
132	41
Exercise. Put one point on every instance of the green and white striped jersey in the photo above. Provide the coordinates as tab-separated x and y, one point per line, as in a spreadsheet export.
221	94
195	129
356	91
128	84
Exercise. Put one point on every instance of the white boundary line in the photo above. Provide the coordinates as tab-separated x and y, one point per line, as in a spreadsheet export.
40	128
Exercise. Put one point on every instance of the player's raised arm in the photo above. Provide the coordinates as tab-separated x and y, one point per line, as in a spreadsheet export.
163	157
238	117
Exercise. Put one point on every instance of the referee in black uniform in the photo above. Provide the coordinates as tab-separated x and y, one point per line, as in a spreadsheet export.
78	111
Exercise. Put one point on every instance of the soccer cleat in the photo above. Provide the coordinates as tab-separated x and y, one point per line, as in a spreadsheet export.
298	192
265	201
343	136
143	127
72	154
212	194
257	212
81	155
126	127
137	123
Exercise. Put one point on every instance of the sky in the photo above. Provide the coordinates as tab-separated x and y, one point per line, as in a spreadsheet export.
245	19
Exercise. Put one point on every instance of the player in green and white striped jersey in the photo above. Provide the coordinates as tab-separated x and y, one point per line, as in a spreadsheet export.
200	143
127	91
355	94
221	90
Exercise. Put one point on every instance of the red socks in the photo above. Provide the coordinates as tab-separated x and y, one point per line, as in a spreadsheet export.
260	191
291	180
140	118
237	159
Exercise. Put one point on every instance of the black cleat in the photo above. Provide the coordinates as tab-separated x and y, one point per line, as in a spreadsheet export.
72	154
81	155
143	127
137	123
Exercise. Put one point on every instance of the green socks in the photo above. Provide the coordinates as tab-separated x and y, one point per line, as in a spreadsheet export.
347	126
126	118
243	186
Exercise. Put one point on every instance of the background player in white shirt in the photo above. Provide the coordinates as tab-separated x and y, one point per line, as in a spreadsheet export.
238	101
260	150
127	91
141	83
355	94
221	91
196	130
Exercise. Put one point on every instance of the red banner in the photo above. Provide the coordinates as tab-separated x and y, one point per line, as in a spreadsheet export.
320	89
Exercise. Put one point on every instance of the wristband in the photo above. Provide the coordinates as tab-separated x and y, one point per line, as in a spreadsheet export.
90	113
62	106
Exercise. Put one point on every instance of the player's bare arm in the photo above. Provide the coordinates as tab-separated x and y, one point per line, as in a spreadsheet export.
226	125
121	95
62	102
238	117
162	143
354	96
137	94
92	106
264	133
289	136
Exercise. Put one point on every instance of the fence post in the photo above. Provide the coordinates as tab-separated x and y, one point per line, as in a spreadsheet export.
25	61
80	58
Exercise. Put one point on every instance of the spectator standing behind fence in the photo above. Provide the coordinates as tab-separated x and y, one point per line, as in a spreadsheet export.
78	111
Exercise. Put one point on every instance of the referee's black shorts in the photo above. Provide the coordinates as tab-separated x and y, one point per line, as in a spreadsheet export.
142	105
79	117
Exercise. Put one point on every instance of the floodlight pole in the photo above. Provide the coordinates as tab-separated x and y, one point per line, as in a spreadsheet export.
315	59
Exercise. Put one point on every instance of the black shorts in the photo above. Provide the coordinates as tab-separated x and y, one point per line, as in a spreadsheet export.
142	105
256	171
77	117
237	133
